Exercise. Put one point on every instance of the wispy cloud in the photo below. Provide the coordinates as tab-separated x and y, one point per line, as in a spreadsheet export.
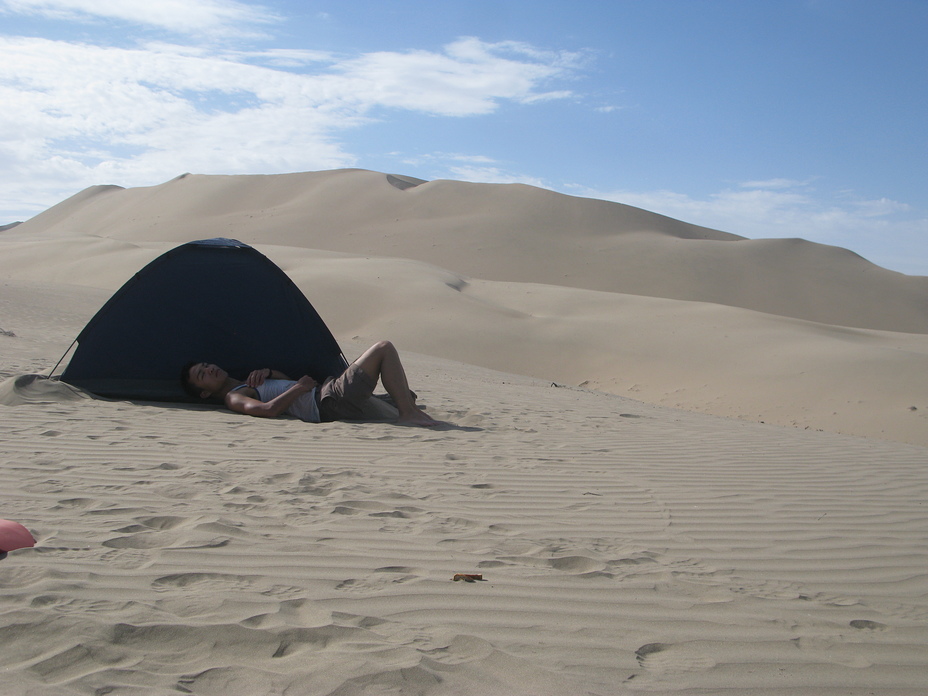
470	167
492	175
779	208
776	184
77	114
469	78
181	16
774	208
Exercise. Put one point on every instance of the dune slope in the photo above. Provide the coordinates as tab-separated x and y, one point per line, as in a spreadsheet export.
508	233
542	299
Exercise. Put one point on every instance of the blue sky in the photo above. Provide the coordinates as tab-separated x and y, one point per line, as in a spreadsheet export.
765	118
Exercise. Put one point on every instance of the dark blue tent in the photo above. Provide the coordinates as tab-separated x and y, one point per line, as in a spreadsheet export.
216	300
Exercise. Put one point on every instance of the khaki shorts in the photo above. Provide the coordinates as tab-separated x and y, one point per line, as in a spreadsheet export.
343	398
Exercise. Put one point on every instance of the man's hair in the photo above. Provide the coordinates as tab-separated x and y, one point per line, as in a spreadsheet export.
185	381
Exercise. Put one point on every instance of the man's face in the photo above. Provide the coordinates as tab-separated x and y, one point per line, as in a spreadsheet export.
208	378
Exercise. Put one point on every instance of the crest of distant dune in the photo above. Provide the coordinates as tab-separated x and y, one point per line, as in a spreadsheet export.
403	182
507	232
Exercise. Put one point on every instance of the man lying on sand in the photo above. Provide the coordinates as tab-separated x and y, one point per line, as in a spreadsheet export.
268	393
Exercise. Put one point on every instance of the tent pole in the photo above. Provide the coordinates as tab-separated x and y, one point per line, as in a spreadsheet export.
73	343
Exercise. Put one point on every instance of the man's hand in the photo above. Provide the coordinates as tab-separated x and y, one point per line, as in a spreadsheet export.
258	377
307	383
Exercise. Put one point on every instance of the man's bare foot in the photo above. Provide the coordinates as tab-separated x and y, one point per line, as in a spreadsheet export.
418	418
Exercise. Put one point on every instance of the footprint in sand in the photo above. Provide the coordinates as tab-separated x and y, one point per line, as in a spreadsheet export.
505	530
48	487
162	522
907	612
864	624
69	605
205	581
667	658
13	576
65	665
298	612
284	592
461	650
161	540
283	478
142	540
76	503
381	579
455	525
62	552
126	559
773	589
575	564
224	680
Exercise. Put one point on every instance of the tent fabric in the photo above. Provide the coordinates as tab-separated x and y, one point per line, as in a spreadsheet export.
214	300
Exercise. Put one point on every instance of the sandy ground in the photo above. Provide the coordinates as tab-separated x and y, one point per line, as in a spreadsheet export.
664	493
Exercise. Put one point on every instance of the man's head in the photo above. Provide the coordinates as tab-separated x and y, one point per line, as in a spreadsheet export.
202	380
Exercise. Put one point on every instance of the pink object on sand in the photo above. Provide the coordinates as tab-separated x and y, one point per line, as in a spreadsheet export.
14	536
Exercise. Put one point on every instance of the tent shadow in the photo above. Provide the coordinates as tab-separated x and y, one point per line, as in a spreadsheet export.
38	389
442	426
207	406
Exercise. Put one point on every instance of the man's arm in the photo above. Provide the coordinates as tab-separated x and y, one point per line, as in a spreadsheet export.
236	401
257	377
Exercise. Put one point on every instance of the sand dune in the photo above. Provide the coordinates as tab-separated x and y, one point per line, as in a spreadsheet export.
704	357
508	233
628	543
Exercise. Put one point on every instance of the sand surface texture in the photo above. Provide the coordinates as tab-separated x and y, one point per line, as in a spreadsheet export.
606	371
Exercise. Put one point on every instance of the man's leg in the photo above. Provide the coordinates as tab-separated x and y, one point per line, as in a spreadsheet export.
382	361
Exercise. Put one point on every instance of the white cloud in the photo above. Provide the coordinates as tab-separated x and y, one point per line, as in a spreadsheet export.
76	114
780	208
474	159
288	57
182	16
468	79
775	184
444	159
880	207
466	167
492	175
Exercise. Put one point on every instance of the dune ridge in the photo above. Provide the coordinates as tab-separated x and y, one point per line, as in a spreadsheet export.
506	232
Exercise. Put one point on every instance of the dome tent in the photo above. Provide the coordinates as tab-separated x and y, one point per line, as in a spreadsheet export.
216	300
